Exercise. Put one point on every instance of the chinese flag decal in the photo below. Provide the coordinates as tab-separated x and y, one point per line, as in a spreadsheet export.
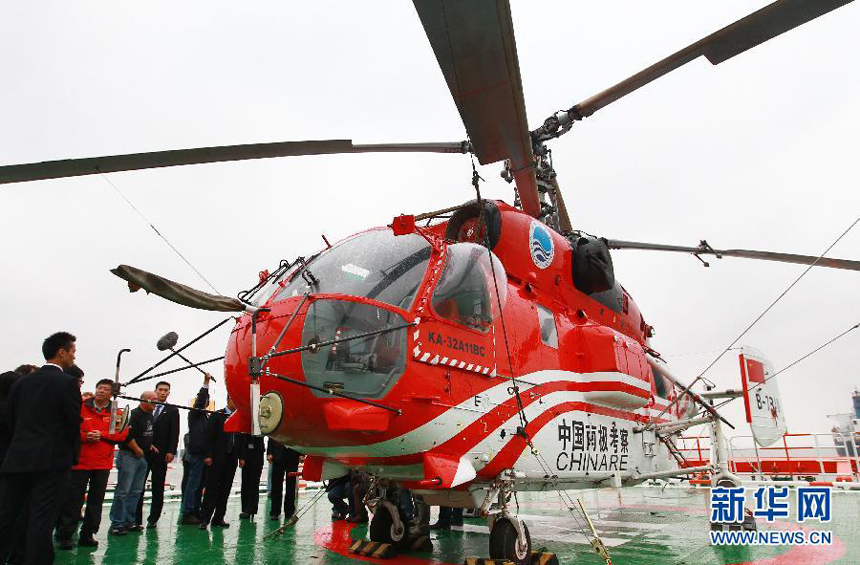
755	371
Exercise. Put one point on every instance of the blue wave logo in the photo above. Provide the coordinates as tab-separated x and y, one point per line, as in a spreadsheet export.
541	245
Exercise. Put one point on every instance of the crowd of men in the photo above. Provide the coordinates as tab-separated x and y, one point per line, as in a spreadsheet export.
59	444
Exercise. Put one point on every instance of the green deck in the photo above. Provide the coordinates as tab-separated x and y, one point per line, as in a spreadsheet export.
640	525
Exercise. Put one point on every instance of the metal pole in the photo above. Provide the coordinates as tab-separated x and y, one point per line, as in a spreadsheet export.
192	366
332	392
818	456
758	458
314	346
116	385
191	408
283	332
186	346
187	360
254	333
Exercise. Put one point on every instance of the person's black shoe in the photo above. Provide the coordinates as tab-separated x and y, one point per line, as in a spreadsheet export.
335	516
221	524
64	544
203	525
117	532
244	516
136	528
190	519
441	526
275	517
151	525
88	542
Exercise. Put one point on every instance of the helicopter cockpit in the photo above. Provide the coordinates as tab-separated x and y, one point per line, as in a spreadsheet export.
375	265
382	267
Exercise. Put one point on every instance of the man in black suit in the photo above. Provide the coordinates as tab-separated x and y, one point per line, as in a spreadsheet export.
222	457
283	461
251	451
193	468
45	420
165	442
7	379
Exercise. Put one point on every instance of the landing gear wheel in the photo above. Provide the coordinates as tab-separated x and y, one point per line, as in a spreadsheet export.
505	544
383	529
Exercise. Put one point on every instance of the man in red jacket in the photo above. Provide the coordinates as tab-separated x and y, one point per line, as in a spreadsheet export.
97	449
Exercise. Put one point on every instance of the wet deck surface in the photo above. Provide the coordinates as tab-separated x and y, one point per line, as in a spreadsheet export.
639	525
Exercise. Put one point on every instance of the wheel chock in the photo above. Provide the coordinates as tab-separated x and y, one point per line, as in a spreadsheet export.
373	549
544	558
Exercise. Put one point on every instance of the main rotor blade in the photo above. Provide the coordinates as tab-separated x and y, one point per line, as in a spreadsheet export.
177	292
199	155
705	249
734	39
474	44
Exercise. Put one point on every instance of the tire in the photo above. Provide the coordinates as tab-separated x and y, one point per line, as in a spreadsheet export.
382	528
491	216
504	543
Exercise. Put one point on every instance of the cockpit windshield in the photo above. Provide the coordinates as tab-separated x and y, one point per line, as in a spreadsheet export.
374	264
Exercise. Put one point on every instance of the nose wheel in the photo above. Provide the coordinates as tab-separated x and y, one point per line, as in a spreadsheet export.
386	525
510	540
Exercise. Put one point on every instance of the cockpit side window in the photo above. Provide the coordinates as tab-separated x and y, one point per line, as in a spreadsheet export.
466	291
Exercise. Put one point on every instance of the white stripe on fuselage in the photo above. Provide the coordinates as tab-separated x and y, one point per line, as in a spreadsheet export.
454	420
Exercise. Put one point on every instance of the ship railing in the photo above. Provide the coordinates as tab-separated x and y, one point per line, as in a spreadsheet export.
806	457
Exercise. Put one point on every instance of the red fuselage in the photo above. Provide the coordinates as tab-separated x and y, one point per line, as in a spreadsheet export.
449	359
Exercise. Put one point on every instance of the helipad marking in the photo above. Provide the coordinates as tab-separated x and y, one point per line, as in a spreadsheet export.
554	533
337	537
601	525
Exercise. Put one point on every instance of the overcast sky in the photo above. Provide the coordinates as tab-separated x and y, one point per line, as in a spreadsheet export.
759	153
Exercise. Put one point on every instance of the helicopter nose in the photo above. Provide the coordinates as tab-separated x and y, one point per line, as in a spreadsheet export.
333	361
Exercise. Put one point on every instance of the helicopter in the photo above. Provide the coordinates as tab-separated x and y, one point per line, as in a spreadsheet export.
487	353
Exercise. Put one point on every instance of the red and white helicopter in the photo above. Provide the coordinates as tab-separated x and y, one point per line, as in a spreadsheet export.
488	351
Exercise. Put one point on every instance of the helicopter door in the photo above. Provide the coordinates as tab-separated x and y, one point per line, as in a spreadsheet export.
465	304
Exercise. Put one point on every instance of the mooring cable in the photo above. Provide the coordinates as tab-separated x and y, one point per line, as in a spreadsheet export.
766	310
158	233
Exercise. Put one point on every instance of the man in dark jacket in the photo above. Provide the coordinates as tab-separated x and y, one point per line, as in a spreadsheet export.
165	442
131	467
45	418
251	450
195	453
283	461
222	457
